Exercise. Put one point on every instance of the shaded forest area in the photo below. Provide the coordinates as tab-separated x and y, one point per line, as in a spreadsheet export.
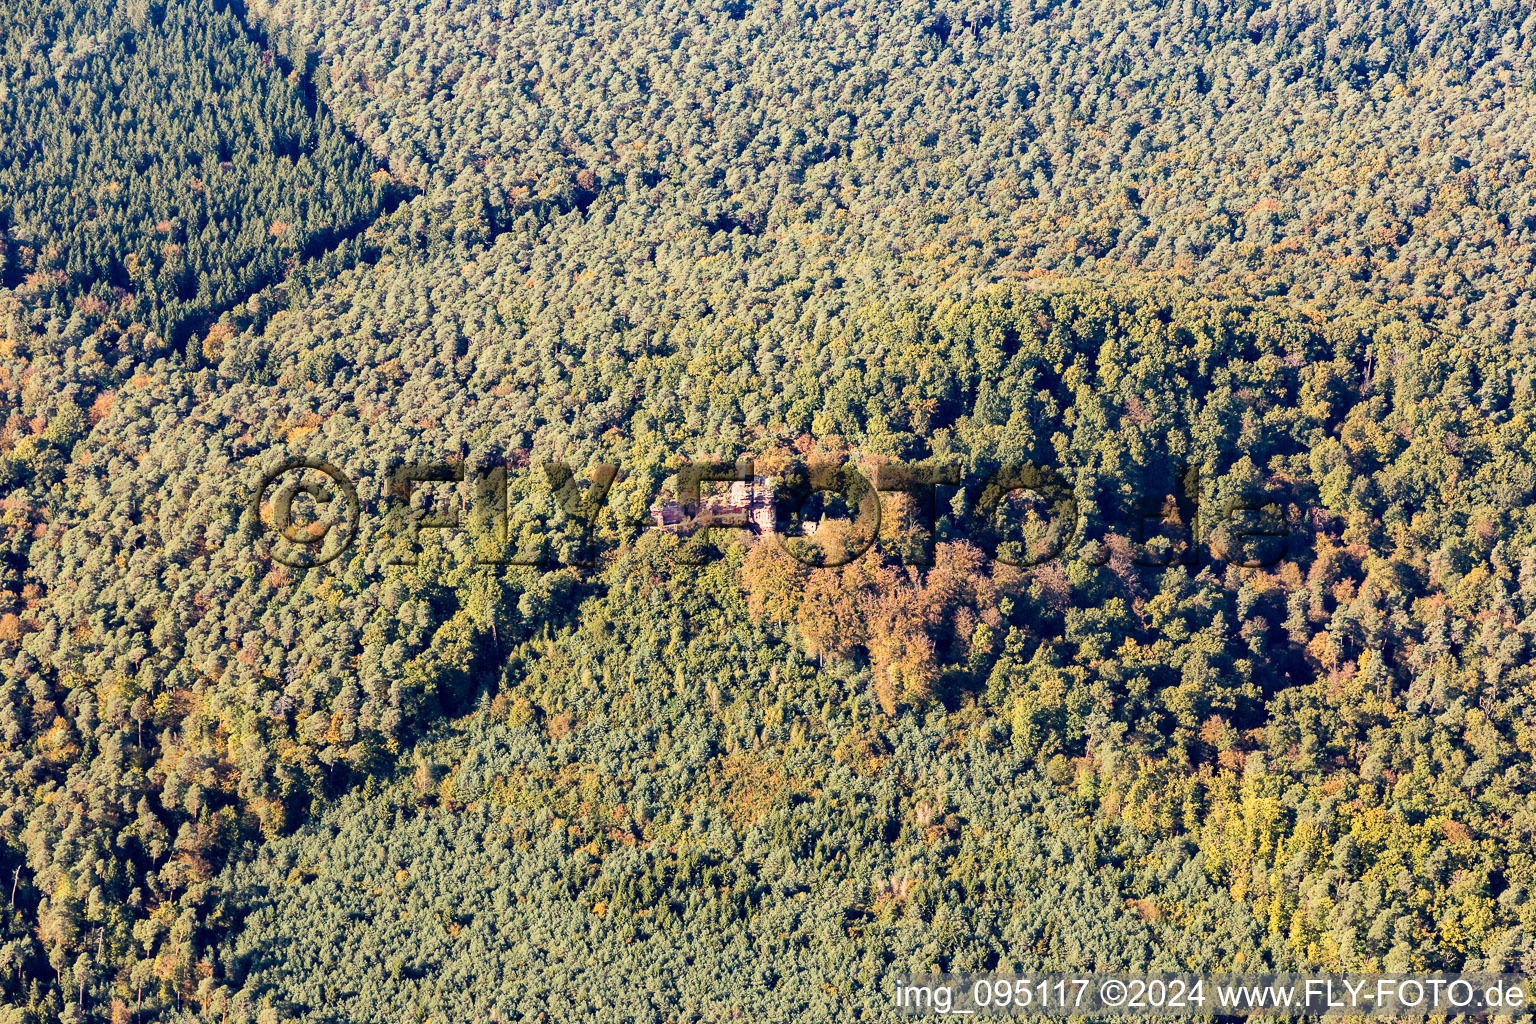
157	166
1289	247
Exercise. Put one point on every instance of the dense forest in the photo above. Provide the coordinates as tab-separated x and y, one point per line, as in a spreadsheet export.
1244	262
155	165
1377	149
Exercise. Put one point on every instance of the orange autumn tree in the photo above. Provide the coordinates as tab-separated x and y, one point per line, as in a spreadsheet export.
894	618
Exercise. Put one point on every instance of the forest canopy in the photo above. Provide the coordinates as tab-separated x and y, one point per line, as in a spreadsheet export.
156	165
1226	256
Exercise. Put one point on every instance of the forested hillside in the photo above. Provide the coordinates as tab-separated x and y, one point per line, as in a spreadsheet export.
154	164
1286	246
1376	148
